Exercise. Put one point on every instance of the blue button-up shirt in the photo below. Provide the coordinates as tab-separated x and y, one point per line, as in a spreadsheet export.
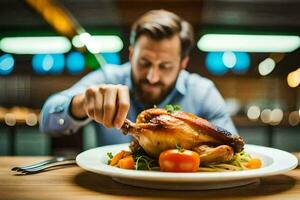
195	94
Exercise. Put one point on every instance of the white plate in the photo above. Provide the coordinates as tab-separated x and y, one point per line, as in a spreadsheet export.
274	162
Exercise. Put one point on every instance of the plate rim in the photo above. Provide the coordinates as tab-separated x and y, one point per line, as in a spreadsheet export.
274	168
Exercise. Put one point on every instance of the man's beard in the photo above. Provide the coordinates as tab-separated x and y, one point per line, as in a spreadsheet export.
148	99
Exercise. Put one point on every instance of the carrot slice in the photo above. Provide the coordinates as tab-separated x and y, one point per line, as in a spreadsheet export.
116	158
127	162
253	164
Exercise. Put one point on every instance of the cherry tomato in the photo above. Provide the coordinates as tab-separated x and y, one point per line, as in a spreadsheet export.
175	160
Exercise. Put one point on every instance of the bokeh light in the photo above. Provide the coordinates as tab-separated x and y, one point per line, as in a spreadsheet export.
294	118
214	63
266	66
75	63
7	63
276	116
31	119
242	64
48	63
293	78
77	42
265	116
229	59
218	63
10	119
253	113
112	58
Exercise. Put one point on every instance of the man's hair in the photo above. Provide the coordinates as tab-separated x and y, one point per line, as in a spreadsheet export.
162	24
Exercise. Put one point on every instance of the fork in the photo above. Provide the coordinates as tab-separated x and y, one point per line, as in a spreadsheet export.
41	166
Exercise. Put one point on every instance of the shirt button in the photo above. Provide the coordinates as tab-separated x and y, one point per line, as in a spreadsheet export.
61	121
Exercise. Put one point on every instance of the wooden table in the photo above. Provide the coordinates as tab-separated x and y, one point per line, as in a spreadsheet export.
72	182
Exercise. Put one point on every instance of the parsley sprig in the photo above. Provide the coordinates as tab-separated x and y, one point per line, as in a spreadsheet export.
110	156
172	108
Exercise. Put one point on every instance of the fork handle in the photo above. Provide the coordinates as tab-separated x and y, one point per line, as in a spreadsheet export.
46	166
46	162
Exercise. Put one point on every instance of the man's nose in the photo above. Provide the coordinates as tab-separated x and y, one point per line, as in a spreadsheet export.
153	75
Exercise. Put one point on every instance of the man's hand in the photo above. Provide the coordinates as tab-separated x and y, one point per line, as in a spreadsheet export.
106	104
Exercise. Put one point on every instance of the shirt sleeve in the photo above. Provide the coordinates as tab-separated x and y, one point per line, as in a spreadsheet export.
55	116
214	110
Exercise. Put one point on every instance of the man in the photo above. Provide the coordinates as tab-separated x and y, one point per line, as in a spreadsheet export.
160	43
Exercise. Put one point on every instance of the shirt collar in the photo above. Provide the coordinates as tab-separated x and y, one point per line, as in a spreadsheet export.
181	82
128	80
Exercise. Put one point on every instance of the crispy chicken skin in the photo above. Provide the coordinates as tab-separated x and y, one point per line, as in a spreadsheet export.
217	154
157	130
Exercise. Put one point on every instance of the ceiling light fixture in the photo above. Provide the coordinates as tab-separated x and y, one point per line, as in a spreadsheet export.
248	43
35	45
98	43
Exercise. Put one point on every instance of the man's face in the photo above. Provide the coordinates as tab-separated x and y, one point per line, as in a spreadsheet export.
155	67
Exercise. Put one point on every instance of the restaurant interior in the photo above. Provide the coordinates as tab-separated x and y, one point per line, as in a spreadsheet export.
250	49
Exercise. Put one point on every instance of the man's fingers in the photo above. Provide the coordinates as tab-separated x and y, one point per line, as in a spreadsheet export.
89	102
109	106
123	106
98	106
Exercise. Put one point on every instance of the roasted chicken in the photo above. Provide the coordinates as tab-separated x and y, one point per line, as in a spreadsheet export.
157	130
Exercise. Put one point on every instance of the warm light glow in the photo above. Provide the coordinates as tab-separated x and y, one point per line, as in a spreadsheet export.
294	118
98	43
248	43
10	119
253	112
31	119
35	45
266	66
61	22
56	16
293	78
276	116
265	116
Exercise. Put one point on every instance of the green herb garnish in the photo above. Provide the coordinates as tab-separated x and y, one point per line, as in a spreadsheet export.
110	156
143	161
172	108
179	147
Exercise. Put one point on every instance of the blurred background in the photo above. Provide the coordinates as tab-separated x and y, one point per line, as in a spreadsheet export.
249	48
